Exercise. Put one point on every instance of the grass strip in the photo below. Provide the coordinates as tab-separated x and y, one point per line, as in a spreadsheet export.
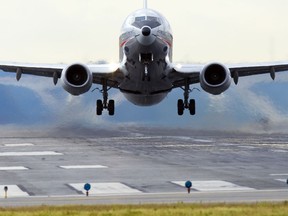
256	209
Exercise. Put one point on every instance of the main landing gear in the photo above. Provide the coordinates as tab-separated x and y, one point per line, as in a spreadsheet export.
105	104
186	103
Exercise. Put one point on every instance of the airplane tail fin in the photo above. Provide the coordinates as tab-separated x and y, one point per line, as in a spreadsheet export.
145	4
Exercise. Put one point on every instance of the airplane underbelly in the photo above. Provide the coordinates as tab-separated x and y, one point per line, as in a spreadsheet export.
145	100
146	70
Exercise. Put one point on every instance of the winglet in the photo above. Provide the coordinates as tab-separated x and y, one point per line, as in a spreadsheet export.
145	5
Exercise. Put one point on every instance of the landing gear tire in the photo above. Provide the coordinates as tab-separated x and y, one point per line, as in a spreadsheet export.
111	107
181	107
99	107
192	107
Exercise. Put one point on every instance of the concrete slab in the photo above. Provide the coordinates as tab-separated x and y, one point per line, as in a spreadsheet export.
13	191
214	185
106	188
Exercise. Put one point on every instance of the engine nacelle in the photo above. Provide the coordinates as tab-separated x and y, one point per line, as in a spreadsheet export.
76	79
215	78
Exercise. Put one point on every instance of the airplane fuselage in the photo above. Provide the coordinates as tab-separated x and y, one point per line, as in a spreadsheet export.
146	45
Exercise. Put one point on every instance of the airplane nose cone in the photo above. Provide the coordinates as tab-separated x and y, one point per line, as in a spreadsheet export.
146	31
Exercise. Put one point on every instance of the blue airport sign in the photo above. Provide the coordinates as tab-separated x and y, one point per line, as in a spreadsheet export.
188	184
87	187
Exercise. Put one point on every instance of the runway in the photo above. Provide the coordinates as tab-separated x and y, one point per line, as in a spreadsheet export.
144	166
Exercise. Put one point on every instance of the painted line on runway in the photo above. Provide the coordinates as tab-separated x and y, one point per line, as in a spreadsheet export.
279	151
280	174
84	167
42	153
214	185
14	191
282	180
19	145
13	168
106	188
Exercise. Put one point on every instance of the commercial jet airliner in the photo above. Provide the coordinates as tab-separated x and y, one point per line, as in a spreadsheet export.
145	73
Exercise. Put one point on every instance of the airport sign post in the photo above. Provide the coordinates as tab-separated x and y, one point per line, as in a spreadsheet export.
5	190
188	185
87	187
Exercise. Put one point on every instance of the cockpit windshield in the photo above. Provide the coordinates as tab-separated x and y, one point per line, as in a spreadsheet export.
150	21
146	17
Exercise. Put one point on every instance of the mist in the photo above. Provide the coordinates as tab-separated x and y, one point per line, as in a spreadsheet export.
256	105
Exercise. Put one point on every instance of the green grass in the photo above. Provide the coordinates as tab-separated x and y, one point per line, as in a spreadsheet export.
269	209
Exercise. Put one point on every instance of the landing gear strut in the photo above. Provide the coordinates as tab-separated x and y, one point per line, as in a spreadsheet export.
186	103
105	104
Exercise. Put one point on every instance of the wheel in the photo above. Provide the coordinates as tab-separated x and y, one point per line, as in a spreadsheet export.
192	107
99	107
111	107
180	107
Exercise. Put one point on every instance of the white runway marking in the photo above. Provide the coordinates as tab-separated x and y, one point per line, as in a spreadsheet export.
13	191
214	185
280	151
13	168
43	153
280	174
106	188
84	167
282	180
19	145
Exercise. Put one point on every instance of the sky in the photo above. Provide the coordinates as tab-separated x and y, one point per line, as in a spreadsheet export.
51	31
67	31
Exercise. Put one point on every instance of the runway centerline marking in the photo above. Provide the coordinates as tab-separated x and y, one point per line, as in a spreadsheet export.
106	188
42	153
13	168
214	185
84	167
14	191
18	145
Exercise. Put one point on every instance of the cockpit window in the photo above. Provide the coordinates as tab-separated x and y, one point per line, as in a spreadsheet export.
146	17
150	21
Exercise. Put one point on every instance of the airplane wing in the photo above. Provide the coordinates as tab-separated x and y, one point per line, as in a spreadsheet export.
190	74
109	72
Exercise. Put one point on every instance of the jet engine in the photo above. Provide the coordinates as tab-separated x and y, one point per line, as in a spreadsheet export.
76	79
215	78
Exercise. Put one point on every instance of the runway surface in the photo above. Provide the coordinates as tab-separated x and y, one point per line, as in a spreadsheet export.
143	166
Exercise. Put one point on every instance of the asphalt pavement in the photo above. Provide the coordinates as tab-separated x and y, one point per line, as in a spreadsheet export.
143	166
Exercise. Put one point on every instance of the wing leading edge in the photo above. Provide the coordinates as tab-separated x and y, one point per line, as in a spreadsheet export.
181	74
109	72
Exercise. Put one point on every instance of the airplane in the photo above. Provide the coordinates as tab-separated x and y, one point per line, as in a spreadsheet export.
145	73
